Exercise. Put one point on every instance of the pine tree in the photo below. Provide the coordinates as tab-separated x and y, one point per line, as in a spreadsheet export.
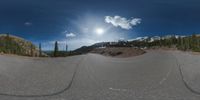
7	45
66	48
31	50
193	42
40	49
56	49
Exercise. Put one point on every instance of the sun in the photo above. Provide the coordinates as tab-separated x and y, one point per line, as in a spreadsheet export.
99	31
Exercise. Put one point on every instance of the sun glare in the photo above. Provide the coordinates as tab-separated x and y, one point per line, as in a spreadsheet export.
99	31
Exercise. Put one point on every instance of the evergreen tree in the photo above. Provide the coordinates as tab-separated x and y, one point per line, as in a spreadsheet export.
8	43
66	48
31	50
40	49
56	49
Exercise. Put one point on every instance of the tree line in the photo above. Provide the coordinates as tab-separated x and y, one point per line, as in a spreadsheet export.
186	43
11	45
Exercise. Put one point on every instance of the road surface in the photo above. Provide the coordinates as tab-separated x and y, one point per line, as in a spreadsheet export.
156	75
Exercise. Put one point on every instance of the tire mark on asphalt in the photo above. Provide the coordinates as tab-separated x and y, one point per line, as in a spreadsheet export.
51	94
183	79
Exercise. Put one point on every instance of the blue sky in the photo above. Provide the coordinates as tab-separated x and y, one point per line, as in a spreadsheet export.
78	22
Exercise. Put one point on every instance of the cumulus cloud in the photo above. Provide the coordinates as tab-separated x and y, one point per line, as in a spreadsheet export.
70	35
27	23
122	22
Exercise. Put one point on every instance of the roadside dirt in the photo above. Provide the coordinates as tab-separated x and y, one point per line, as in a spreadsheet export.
119	51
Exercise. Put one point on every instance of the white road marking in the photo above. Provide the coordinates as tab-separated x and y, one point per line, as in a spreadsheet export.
114	89
165	78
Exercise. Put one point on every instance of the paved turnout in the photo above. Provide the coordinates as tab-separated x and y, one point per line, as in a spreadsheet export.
156	75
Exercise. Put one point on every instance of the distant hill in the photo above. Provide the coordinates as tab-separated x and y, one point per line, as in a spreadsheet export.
10	44
184	43
109	49
119	51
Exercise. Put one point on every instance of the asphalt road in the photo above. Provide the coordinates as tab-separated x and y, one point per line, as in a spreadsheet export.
156	75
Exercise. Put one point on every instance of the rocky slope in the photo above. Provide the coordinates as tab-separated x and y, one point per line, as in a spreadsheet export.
10	44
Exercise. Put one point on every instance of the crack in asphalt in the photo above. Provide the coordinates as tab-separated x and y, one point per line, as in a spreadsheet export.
51	94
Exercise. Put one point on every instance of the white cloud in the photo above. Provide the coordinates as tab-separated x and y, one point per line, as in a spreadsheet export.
27	23
70	35
122	22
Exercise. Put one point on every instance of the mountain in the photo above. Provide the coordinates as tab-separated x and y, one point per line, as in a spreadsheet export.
118	51
191	42
139	39
10	44
154	38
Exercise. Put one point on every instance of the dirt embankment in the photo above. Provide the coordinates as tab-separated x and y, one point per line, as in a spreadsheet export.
10	44
118	51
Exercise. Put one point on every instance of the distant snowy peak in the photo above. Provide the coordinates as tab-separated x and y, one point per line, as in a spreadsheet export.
139	39
155	38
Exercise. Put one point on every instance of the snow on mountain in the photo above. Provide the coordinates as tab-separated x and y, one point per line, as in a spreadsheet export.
154	38
139	39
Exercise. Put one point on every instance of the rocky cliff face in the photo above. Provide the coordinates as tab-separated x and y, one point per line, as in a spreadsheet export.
10	44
